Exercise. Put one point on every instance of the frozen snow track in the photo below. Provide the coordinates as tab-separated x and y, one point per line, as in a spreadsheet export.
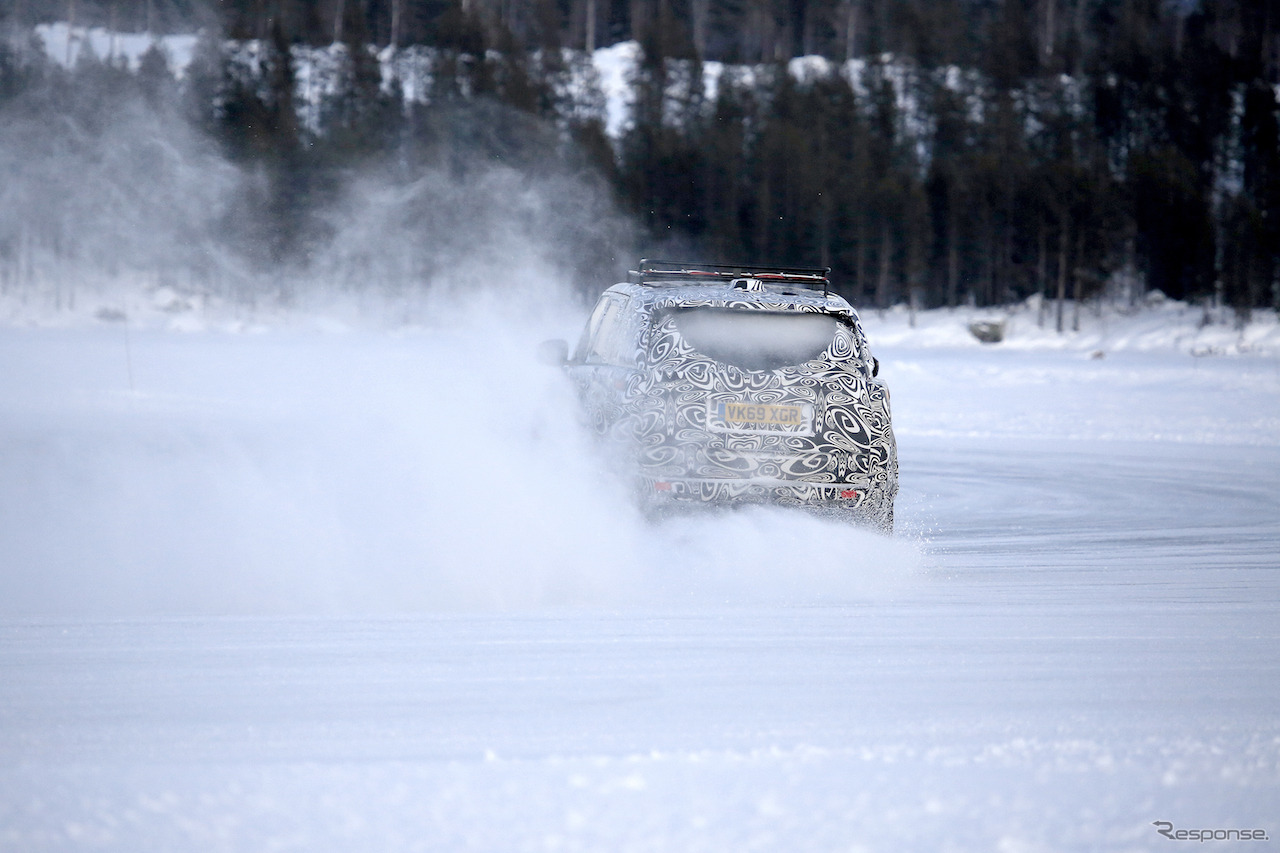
904	726
1076	634
1121	522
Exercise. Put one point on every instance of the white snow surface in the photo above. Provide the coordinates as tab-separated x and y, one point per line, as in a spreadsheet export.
307	583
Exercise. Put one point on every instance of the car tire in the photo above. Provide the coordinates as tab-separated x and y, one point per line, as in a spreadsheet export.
877	512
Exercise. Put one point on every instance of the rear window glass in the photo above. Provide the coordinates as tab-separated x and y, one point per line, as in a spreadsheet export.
756	340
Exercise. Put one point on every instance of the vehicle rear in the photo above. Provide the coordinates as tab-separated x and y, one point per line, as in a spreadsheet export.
761	397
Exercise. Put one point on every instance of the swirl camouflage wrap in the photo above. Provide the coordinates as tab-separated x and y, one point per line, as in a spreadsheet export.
717	394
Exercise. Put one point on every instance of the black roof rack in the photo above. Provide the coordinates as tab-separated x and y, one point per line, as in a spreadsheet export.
654	271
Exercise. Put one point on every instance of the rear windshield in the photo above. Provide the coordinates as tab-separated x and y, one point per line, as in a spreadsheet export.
756	340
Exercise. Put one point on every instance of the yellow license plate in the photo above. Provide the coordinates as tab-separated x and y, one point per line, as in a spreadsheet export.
760	417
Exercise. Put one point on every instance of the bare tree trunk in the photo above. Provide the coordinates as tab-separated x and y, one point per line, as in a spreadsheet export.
824	232
1005	281
339	10
1271	42
755	39
953	255
71	26
639	20
1049	34
397	11
701	12
915	270
807	31
882	281
511	17
851	11
1077	286
590	41
764	213
1064	241
991	258
22	264
1042	272
111	32
1079	32
27	260
860	258
1275	285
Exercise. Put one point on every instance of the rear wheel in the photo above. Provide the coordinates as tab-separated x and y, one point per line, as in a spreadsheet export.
877	511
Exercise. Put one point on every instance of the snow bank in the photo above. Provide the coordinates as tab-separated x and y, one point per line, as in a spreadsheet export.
1159	324
1155	325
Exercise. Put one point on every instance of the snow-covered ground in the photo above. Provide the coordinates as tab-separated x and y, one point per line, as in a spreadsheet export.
315	586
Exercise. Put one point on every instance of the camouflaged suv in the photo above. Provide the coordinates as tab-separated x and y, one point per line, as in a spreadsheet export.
734	384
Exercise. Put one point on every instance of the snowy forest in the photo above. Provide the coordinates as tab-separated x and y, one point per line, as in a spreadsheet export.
936	152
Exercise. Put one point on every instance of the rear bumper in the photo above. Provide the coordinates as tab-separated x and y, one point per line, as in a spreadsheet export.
860	503
759	490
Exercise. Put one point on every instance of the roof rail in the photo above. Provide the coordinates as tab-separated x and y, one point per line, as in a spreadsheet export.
650	270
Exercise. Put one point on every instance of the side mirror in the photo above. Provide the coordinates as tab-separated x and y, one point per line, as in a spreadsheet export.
875	367
554	353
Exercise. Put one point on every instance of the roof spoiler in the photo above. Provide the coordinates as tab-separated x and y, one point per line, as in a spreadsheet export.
654	271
